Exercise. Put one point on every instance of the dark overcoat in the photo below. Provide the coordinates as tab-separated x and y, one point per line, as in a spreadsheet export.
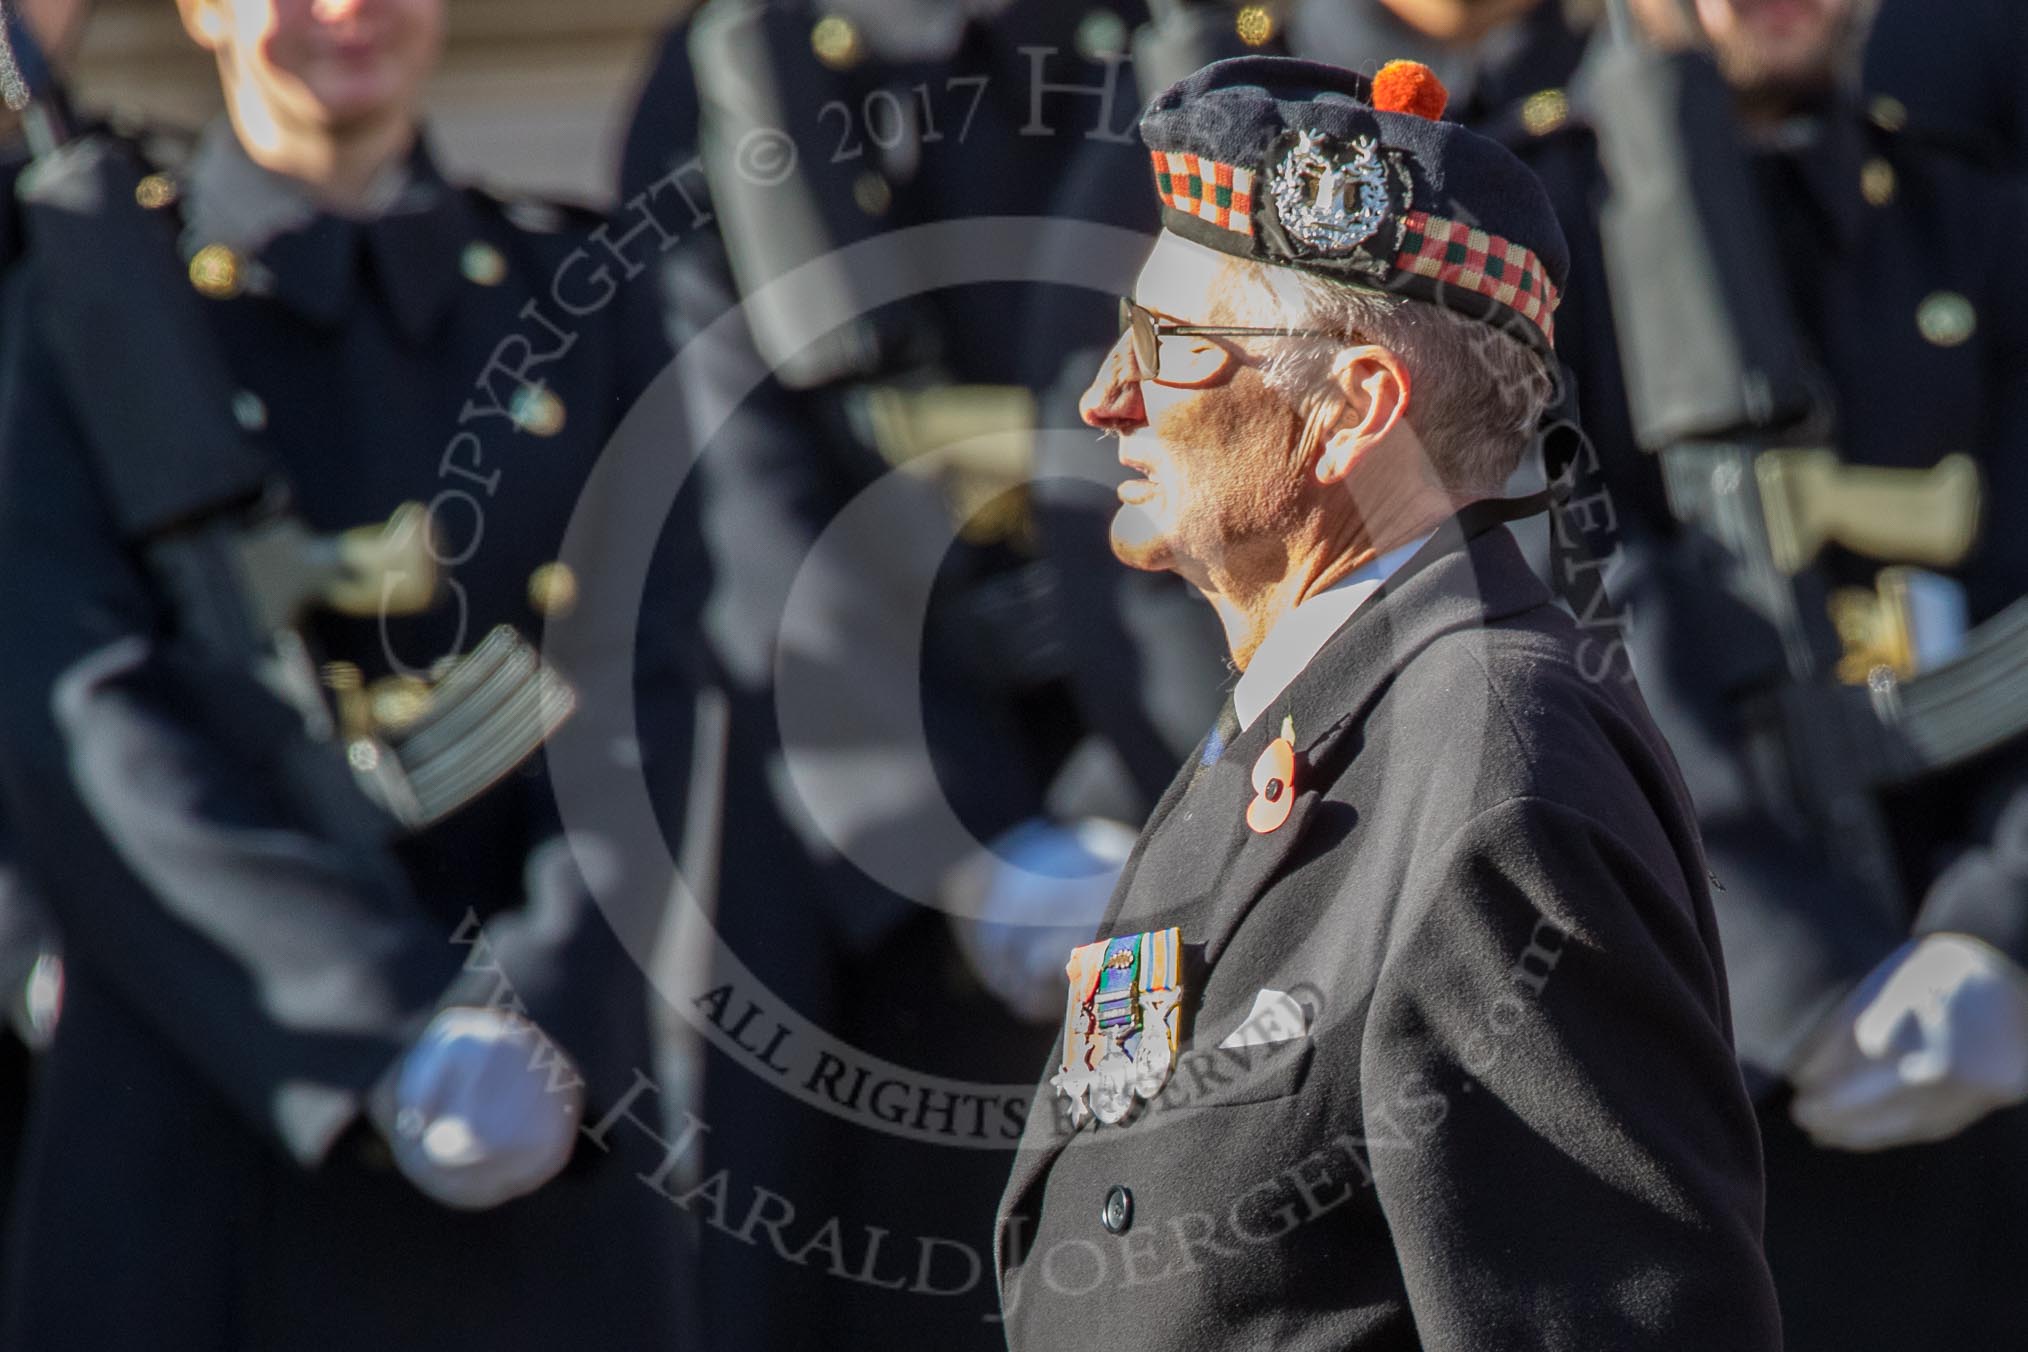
1513	1119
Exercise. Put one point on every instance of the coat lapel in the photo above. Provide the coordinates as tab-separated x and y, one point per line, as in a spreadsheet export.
1186	778
1468	576
1041	1141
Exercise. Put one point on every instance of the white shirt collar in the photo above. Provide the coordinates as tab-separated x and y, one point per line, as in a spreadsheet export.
1302	633
230	199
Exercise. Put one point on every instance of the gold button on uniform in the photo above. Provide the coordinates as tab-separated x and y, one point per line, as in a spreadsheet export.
552	590
836	42
1254	25
1544	111
398	701
871	193
216	272
1946	318
1888	113
1876	181
537	411
483	264
155	191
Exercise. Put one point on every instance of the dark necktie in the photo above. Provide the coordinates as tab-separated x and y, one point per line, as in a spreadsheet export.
1222	734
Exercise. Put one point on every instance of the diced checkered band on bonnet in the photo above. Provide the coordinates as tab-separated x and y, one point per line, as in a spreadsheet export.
1309	166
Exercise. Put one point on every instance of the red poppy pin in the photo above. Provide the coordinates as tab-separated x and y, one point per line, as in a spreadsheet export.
1274	783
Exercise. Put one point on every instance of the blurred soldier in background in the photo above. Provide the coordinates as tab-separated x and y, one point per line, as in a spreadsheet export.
323	1059
1875	923
30	971
27	945
884	117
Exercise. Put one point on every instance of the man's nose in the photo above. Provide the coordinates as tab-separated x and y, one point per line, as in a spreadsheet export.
1112	402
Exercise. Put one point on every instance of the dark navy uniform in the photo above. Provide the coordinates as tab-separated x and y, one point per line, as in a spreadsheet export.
1956	77
24	928
200	1173
1898	254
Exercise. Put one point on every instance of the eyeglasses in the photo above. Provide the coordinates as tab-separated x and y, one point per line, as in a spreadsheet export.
1148	333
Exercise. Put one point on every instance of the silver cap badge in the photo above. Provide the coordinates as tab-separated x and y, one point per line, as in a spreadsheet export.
1332	206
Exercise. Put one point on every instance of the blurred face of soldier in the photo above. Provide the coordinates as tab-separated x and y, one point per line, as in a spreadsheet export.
1772	50
333	69
1462	21
56	24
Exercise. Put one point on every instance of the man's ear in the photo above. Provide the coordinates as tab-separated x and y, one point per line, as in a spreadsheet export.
1373	396
204	21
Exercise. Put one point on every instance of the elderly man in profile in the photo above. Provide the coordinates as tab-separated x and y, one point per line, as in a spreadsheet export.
1406	1027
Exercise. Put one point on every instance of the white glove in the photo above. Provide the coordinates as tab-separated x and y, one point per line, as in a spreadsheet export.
1933	1040
483	1109
1019	908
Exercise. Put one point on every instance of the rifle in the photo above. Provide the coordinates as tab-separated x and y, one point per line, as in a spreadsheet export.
1718	391
194	490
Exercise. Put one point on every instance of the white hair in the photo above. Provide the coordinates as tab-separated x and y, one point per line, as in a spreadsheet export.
1479	394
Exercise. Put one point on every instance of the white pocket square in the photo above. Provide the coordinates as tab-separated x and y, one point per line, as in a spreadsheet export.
1275	1017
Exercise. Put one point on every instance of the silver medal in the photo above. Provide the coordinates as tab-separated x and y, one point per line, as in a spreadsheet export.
1073	1085
1112	1088
1152	1058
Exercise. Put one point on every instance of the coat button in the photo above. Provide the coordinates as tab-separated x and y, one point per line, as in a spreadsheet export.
216	272
1876	182
1118	1212
871	193
535	409
836	42
1254	25
1100	34
482	264
552	590
1946	318
1545	111
249	411
156	191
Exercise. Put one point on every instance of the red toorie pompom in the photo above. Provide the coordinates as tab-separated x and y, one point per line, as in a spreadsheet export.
1410	87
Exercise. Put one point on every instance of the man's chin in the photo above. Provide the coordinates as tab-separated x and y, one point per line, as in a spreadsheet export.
1138	542
1789	69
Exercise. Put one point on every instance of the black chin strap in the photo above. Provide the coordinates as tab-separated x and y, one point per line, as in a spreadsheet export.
1475	519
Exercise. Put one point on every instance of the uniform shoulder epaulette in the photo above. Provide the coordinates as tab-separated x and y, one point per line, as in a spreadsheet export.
1890	128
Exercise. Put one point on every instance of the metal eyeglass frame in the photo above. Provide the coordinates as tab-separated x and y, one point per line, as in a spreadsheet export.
1148	332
